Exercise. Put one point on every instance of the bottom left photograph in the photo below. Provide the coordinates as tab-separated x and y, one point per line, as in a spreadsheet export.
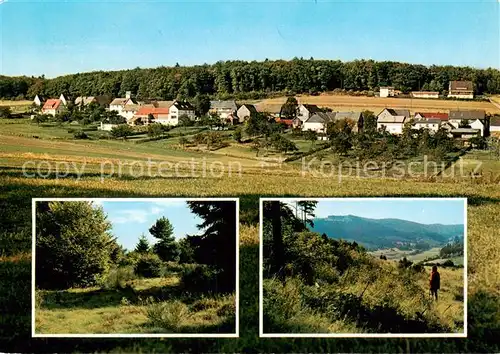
105	267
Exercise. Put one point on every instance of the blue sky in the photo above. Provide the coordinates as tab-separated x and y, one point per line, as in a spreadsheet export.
418	210
57	37
130	219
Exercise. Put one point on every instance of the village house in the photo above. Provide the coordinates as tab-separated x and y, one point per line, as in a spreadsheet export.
425	94
387	91
306	111
473	118
225	109
37	101
443	117
164	115
245	111
465	133
181	108
393	120
461	89
102	100
318	122
432	124
125	107
495	126
53	106
356	118
429	120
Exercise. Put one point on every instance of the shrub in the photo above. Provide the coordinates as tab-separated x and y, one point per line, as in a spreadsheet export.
201	278
169	316
117	278
148	266
80	135
448	263
419	268
205	303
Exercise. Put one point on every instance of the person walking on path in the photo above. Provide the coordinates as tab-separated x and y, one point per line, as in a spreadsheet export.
434	282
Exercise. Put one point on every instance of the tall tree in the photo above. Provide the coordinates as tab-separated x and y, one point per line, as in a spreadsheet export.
166	247
73	244
290	108
217	244
307	208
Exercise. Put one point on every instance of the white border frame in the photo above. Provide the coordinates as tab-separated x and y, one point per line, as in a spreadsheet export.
138	335
357	335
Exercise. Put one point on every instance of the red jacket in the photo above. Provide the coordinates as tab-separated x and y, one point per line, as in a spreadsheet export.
435	281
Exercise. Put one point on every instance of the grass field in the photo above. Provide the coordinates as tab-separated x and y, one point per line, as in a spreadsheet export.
135	310
377	104
16	192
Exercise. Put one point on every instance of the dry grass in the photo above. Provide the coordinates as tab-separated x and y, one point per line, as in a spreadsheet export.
376	104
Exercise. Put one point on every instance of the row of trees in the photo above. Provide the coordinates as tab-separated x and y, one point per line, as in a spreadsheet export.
252	79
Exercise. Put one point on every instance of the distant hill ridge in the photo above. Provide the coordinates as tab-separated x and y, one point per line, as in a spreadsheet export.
383	233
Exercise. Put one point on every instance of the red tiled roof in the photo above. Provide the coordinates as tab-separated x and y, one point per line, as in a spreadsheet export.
286	121
435	115
145	111
52	103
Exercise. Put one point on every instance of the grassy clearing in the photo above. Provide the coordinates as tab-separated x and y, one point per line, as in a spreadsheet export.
153	305
16	192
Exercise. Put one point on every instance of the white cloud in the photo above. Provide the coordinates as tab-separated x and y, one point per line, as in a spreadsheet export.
170	202
133	215
156	210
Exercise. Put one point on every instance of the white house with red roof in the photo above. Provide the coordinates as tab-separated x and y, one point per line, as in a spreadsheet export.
53	106
166	114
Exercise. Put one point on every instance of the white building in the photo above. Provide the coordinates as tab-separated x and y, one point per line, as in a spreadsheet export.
53	106
386	91
461	89
125	107
37	101
306	111
393	120
456	117
425	94
495	126
431	124
318	122
225	109
164	115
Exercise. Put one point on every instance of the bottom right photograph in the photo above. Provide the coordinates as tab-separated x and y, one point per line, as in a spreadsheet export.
363	267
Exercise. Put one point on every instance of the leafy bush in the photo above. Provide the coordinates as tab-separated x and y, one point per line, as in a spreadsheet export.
168	316
200	278
404	263
149	266
205	303
79	134
117	278
73	244
448	263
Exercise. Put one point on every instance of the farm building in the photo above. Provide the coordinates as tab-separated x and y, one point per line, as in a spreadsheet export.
432	124
306	111
53	106
461	89
102	100
318	122
125	107
37	101
181	108
393	120
431	115
465	133
245	111
456	117
425	94
387	91
495	126
225	109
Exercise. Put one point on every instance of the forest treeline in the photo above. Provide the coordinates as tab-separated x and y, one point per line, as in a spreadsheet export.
244	80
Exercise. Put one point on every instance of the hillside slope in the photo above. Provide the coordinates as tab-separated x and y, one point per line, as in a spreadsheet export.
383	233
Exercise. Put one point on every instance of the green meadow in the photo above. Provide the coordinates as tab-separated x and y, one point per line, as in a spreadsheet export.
18	146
